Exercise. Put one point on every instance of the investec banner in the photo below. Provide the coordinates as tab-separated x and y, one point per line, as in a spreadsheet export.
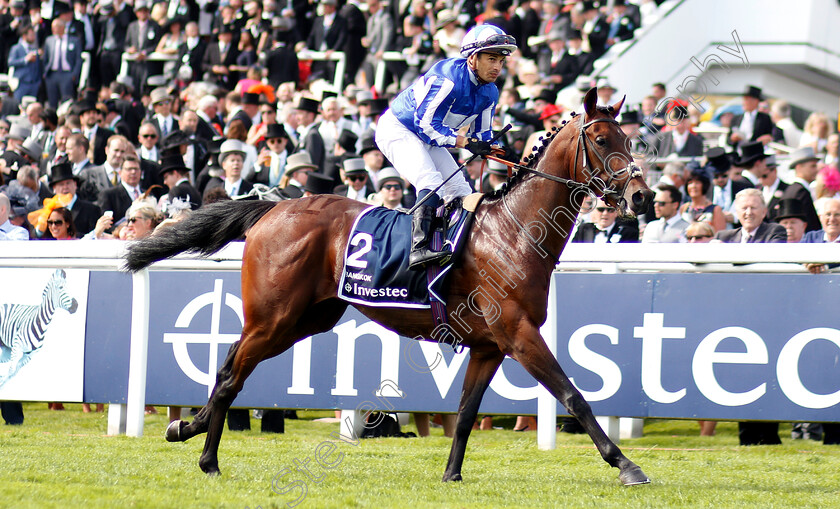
666	345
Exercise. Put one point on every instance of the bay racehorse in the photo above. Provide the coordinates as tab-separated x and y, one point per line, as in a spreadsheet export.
293	261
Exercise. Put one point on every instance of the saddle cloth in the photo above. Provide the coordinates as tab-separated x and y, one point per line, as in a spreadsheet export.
376	260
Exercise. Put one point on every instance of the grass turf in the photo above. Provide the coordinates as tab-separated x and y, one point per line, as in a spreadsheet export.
63	459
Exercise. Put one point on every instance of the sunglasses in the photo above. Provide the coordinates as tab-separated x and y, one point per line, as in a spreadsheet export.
662	203
148	135
133	220
58	222
605	209
696	237
391	187
357	178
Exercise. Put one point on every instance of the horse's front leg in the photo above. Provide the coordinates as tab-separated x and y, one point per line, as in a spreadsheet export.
532	352
480	370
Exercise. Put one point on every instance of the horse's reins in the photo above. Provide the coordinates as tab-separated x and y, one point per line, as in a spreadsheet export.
631	168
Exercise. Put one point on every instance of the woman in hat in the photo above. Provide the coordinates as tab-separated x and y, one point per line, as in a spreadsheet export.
424	121
701	208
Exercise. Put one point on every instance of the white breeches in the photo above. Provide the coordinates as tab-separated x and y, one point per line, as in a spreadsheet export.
423	165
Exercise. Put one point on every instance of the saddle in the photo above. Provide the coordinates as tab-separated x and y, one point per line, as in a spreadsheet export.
375	271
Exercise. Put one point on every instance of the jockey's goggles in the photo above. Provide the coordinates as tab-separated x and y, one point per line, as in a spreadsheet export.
502	44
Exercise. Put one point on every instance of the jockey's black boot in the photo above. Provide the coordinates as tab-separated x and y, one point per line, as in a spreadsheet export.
421	235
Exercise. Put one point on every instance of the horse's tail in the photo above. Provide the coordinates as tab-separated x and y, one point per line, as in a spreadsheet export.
204	231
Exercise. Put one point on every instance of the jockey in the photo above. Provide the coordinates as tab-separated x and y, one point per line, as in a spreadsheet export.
423	121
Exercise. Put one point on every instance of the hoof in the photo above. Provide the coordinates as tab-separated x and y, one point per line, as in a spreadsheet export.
211	469
452	477
633	476
173	431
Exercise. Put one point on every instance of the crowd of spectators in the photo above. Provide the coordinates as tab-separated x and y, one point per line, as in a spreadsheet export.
187	102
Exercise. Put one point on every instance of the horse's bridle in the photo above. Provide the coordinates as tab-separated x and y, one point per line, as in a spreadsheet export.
607	189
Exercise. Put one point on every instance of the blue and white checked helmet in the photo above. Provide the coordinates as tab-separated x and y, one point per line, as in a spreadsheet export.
489	38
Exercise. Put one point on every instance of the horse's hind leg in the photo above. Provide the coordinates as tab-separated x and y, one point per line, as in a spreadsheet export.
480	370
258	342
181	431
537	359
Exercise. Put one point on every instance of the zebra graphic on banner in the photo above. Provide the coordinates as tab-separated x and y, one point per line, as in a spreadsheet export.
22	326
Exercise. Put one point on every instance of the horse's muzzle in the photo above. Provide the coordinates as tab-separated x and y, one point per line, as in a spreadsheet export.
641	201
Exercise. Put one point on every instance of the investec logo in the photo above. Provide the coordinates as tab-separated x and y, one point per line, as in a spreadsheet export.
375	292
213	338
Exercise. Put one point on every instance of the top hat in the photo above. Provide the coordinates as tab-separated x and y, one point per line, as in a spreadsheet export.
802	155
328	2
160	94
550	110
354	165
751	152
250	98
299	161
753	92
378	106
140	5
630	117
60	8
347	140
175	139
546	95
231	147
588	5
605	83
60	172
33	149
364	97
275	131
787	208
172	162
308	104
318	183
368	144
718	160
18	132
388	175
497	168
445	17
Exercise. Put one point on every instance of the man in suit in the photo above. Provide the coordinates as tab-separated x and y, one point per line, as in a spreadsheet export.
271	162
218	58
379	38
97	136
356	30
106	175
753	125
192	51
669	226
298	167
141	39
559	67
772	187
356	185
181	194
803	162
281	61
680	140
329	33
24	58
605	228
310	139
231	158
163	119
112	29
62	64
788	213
753	161
119	198
115	119
725	189
751	211
76	147
85	213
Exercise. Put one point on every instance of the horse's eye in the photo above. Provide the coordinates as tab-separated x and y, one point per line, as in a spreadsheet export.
601	140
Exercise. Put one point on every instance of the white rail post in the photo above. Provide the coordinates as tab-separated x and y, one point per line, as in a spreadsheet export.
546	404
138	351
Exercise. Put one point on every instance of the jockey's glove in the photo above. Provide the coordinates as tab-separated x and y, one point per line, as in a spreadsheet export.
478	147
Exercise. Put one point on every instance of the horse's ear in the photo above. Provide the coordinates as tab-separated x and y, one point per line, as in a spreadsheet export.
590	101
617	106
